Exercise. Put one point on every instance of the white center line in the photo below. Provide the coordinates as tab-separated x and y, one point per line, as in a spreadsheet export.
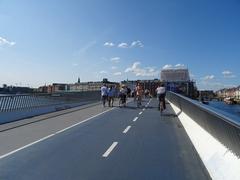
143	109
135	119
126	130
114	144
140	113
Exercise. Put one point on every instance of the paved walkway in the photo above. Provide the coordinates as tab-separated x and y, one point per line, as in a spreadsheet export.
102	143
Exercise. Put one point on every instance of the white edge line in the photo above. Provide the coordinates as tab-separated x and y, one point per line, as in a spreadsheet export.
140	113
114	144
127	129
46	137
135	119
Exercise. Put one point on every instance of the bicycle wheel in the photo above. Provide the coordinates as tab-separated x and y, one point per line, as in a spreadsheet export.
138	102
161	107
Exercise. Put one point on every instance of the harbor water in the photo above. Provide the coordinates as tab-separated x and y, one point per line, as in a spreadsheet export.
231	111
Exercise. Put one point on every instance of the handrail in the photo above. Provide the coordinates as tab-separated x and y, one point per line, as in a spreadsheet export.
29	101
224	129
17	102
204	108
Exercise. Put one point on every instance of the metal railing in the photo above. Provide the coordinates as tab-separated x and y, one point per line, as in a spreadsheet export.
21	102
226	130
18	102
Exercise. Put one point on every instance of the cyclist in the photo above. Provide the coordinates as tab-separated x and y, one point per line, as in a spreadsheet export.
146	93
161	93
139	93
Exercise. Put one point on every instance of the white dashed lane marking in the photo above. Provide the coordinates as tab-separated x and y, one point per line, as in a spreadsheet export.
110	149
127	129
135	119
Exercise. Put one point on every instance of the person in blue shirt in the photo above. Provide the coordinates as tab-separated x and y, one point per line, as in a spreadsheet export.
111	93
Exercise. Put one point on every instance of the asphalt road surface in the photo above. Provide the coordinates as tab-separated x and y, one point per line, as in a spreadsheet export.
99	143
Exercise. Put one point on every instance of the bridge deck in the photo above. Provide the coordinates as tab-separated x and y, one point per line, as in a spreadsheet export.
153	147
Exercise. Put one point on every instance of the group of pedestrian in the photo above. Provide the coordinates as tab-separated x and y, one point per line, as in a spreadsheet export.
108	94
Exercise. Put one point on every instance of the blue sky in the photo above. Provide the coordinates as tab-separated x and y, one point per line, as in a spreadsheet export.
42	42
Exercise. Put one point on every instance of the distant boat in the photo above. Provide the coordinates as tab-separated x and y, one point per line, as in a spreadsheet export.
229	100
204	101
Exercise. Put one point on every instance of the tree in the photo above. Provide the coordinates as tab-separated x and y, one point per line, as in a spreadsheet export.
4	86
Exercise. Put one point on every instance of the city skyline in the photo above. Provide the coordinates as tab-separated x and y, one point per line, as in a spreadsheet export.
50	41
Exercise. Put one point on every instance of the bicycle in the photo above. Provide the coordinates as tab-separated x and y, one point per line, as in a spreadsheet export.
139	102
122	100
160	105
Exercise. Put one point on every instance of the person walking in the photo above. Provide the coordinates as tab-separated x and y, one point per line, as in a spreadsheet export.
111	93
104	94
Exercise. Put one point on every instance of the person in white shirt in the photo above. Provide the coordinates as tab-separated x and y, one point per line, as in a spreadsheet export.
161	93
104	94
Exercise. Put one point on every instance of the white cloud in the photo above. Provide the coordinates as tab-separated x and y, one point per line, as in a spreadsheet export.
117	74
86	47
115	59
123	45
192	75
109	44
208	77
138	71
103	72
4	41
179	65
113	67
137	44
167	66
228	74
134	66
75	64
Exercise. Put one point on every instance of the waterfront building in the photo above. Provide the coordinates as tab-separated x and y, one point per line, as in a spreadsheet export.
151	84
90	86
237	93
221	93
130	83
178	80
76	87
206	94
229	92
